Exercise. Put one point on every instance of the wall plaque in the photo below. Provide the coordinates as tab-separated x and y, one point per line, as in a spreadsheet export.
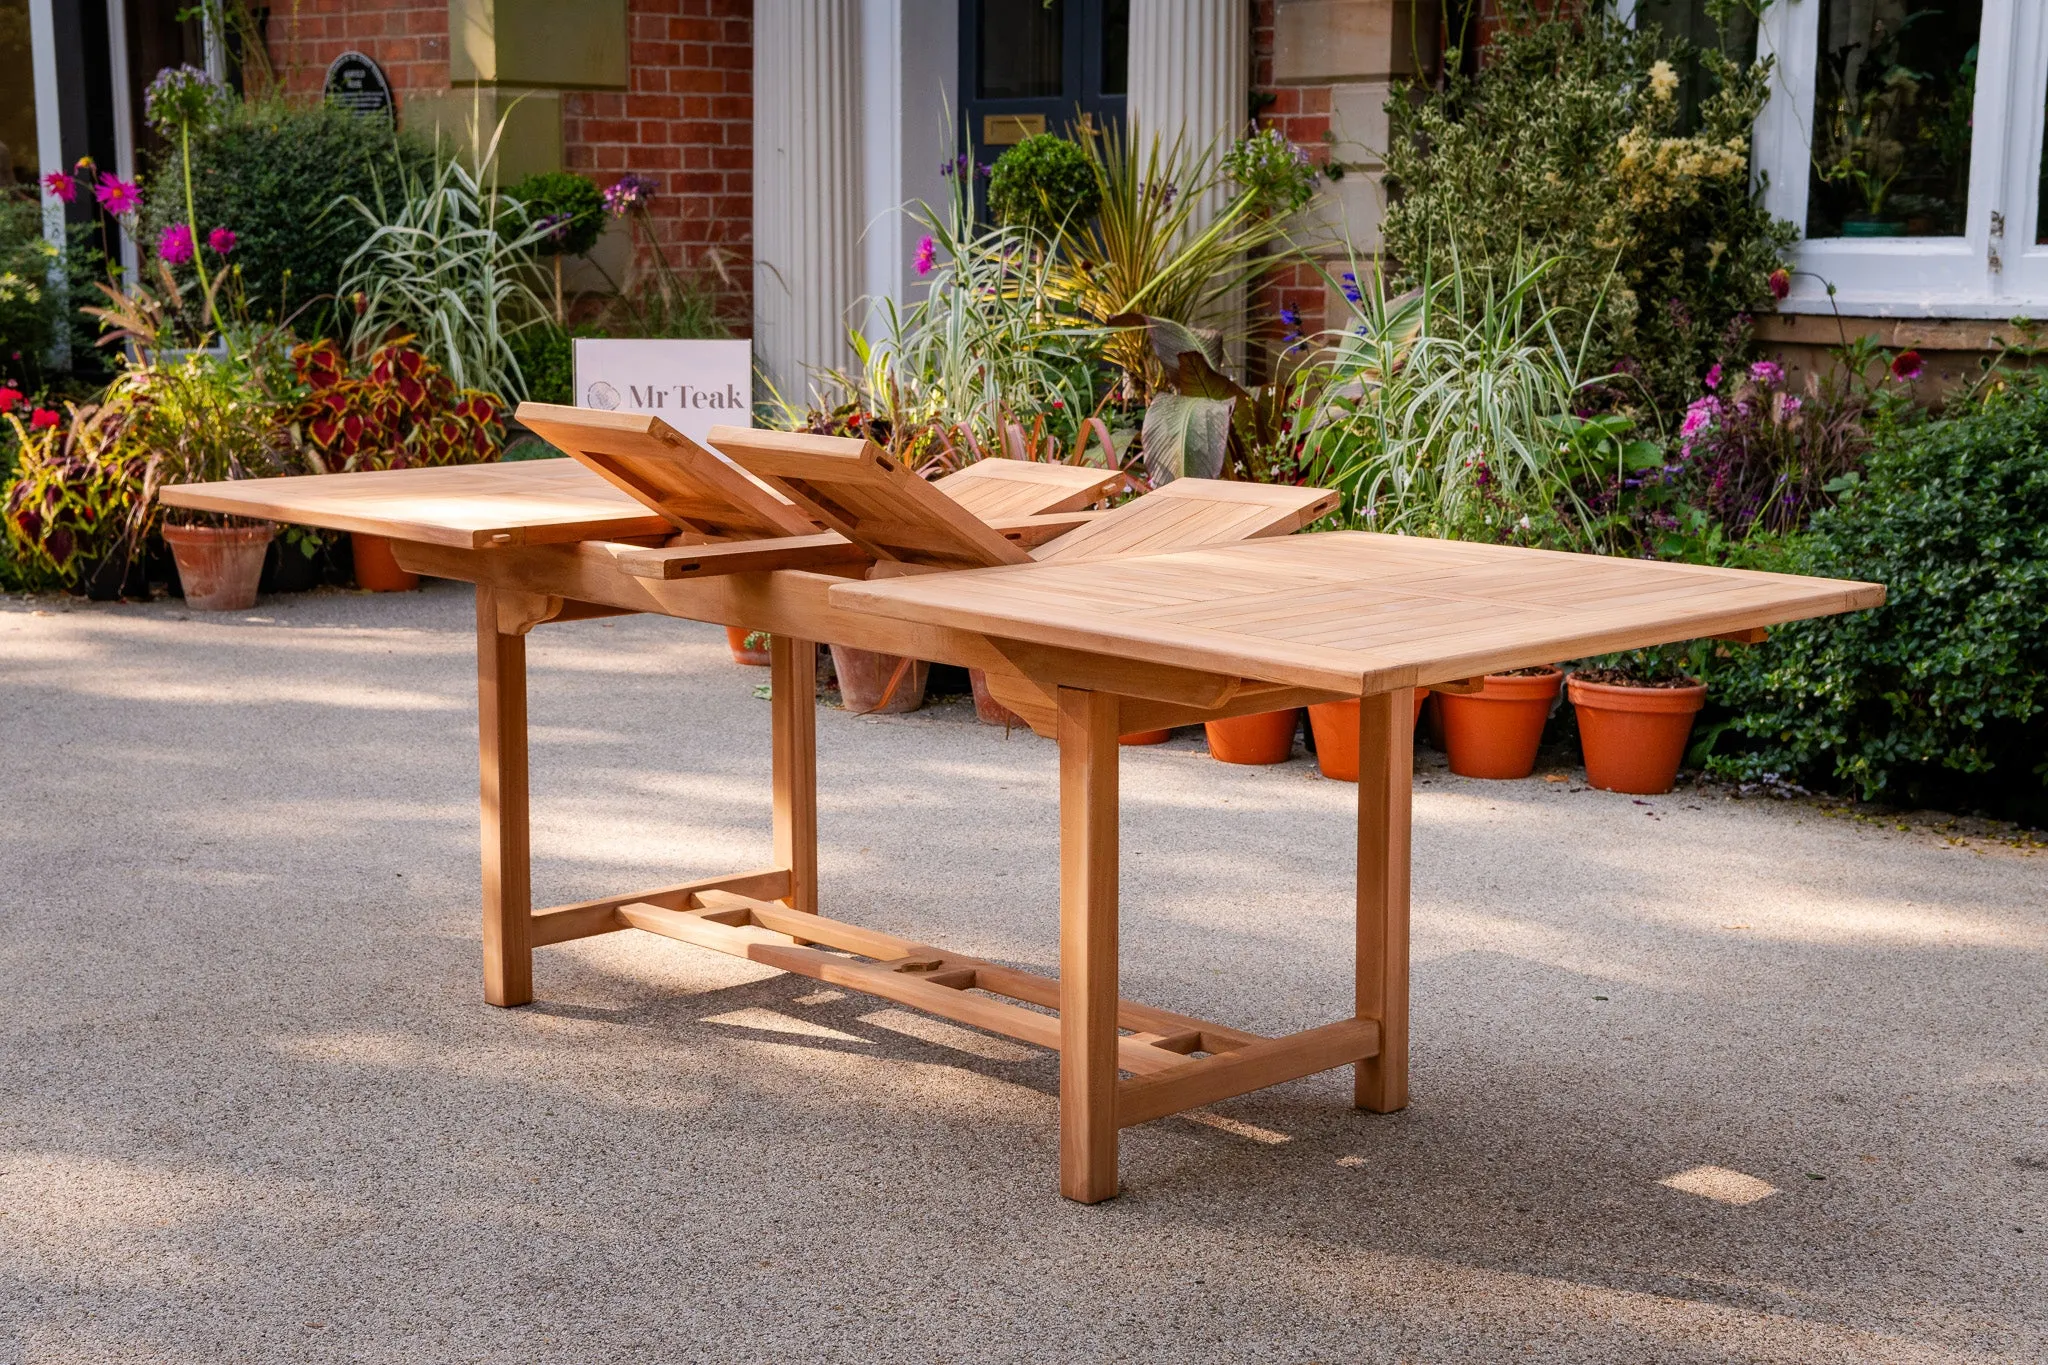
357	84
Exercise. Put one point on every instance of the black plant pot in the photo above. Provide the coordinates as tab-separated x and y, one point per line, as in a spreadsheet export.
287	568
113	576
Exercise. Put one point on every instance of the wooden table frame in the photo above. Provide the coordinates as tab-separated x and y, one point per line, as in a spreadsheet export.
1121	1062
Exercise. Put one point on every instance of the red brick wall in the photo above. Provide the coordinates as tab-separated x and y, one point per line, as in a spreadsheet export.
1302	114
688	122
408	38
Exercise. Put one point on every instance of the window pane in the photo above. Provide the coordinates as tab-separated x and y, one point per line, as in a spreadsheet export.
17	99
1020	49
1891	117
1116	47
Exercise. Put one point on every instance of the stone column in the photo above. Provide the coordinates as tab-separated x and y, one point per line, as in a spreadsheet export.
1190	77
1191	65
807	187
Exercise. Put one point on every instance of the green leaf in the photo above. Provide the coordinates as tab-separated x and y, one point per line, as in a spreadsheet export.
1186	437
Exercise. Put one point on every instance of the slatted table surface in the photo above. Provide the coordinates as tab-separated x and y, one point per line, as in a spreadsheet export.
1352	611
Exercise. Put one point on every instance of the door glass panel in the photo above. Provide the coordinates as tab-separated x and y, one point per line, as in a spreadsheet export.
1020	56
1891	117
18	165
1116	47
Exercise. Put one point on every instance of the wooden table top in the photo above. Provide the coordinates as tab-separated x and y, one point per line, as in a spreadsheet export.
1351	611
525	502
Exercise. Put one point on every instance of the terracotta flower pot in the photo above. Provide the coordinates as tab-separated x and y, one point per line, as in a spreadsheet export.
736	640
987	709
1335	724
1145	737
1495	731
1267	737
1634	737
219	566
878	684
377	568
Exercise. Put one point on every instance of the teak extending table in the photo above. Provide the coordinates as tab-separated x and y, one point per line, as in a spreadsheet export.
1191	603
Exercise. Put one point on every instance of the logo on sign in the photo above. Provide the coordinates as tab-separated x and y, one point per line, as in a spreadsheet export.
602	395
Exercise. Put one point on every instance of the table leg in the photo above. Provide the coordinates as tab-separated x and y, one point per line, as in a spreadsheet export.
1386	769
793	689
501	746
1088	931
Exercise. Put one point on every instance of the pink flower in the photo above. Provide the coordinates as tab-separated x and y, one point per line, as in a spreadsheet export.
1906	365
1714	376
9	396
1781	283
1699	415
117	196
222	240
60	186
42	420
1767	372
175	245
927	255
1788	404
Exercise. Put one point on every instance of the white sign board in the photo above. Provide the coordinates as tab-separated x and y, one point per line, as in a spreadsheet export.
692	385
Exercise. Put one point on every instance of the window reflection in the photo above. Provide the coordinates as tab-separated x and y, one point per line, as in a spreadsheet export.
1020	54
1893	94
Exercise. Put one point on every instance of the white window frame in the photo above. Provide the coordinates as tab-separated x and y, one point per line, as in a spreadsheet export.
1992	270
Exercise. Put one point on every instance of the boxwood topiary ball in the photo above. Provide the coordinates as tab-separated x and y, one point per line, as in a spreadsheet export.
1043	182
575	200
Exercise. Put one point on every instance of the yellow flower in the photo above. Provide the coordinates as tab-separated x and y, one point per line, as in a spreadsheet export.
1663	80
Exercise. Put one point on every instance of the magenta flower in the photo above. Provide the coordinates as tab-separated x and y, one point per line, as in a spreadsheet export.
1781	283
1713	380
927	255
175	246
117	196
1699	415
627	192
1767	373
60	186
222	240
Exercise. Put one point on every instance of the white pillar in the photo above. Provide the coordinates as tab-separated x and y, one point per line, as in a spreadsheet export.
807	187
1191	70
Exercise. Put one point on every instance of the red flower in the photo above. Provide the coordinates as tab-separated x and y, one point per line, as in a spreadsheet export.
9	396
1907	365
42	420
1781	283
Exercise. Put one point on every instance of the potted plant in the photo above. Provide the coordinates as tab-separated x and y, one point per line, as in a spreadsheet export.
1635	715
396	411
749	647
987	709
1261	738
75	512
1496	731
207	420
1335	726
878	684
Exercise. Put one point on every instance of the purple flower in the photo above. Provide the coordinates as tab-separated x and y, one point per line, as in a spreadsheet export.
627	192
175	246
1788	404
1713	380
1291	316
117	196
222	240
927	255
555	226
1768	373
1351	289
60	186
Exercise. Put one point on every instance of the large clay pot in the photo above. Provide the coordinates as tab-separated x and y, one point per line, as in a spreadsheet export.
1634	737
878	684
1495	731
377	568
987	709
1335	724
1145	737
1261	738
219	566
755	655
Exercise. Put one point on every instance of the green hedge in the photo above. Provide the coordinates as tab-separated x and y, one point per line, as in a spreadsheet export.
277	174
1940	697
